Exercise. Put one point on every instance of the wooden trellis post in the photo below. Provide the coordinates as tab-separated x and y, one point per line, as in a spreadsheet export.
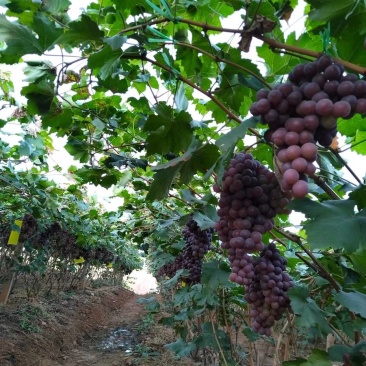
13	240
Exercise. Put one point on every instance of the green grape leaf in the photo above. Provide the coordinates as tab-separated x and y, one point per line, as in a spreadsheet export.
163	180
115	42
167	131
317	358
55	6
81	32
19	40
325	10
47	31
201	160
97	176
354	301
344	227
79	149
181	348
359	195
228	141
204	222
359	144
216	274
307	311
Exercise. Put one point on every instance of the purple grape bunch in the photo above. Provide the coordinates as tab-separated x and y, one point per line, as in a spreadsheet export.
267	293
250	198
303	112
197	244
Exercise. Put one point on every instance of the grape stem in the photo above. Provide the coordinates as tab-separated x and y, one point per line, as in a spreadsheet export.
344	163
324	186
270	41
302	51
217	340
321	270
308	263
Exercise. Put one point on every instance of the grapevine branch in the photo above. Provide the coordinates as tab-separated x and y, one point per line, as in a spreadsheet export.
219	59
344	163
274	44
322	184
296	239
230	114
302	51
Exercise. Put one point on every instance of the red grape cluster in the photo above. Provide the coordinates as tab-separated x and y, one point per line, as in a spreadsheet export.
304	112
198	242
267	293
250	198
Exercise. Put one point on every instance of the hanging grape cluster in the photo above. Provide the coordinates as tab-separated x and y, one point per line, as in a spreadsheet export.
250	198
303	112
267	292
198	242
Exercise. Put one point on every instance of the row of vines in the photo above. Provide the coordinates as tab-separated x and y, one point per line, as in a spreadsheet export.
216	124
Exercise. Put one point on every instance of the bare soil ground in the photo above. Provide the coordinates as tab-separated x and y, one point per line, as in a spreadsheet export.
69	330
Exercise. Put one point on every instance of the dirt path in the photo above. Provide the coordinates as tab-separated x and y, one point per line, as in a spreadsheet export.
121	328
68	330
74	329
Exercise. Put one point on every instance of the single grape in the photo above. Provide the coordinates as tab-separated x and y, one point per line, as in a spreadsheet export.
285	89
291	176
341	109
294	98
274	97
282	155
270	116
306	136
311	89
324	107
293	152
278	137
319	96
323	62
311	122
360	88
328	122
310	170
310	70
331	87
300	189
345	88
262	94
333	72
299	164
295	124
361	106
263	106
292	138
309	151
306	107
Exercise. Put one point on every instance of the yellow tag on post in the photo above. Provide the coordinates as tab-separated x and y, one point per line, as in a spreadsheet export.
110	265
14	234
79	260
